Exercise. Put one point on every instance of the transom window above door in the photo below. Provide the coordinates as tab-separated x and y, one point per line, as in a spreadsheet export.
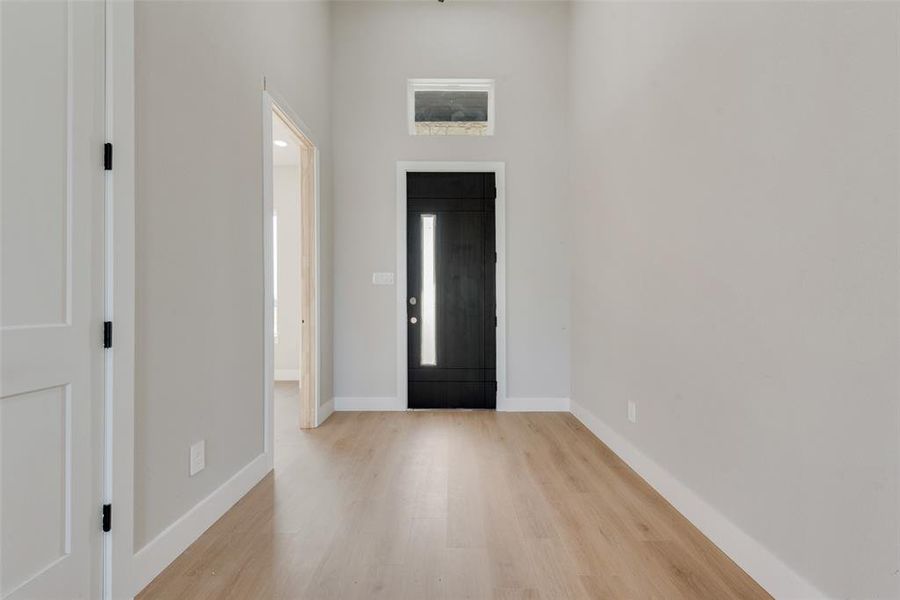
450	106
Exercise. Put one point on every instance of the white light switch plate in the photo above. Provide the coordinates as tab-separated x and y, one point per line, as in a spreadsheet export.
198	457
382	278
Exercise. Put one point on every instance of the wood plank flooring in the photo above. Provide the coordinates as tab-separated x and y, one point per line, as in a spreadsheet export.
422	505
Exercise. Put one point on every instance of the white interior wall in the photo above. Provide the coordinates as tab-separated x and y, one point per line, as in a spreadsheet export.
735	264
199	272
377	47
286	201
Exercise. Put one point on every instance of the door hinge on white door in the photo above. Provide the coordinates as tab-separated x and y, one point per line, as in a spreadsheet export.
107	518
107	156
107	334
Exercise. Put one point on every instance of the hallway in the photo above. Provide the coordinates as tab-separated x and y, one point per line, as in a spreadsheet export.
449	505
641	257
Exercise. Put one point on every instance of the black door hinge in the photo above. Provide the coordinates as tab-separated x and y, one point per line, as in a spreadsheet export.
495	320
495	257
107	156
107	334
107	518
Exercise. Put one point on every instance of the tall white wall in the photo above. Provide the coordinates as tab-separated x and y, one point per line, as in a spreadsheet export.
377	47
286	202
199	272
735	264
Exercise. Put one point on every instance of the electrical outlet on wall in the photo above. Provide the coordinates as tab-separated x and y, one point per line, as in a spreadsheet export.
198	457
632	411
382	278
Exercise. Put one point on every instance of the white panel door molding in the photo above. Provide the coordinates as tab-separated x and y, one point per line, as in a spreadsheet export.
51	298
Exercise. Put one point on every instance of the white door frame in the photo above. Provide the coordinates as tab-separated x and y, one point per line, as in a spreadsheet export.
499	170
271	99
118	467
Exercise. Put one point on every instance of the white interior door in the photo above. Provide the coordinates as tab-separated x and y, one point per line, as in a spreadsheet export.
51	302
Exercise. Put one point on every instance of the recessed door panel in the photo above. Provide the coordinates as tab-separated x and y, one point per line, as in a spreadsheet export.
34	477
35	186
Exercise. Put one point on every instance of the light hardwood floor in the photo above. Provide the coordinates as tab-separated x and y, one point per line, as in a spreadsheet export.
422	505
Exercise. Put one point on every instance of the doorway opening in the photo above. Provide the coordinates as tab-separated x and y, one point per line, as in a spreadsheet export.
291	164
451	291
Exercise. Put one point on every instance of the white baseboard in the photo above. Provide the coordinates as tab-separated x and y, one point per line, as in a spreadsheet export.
150	560
767	569
287	374
324	412
533	404
367	403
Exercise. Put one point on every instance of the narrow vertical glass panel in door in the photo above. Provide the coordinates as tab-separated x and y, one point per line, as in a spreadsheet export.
428	352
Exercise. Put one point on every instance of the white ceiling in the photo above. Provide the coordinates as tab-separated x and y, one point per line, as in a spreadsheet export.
289	155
